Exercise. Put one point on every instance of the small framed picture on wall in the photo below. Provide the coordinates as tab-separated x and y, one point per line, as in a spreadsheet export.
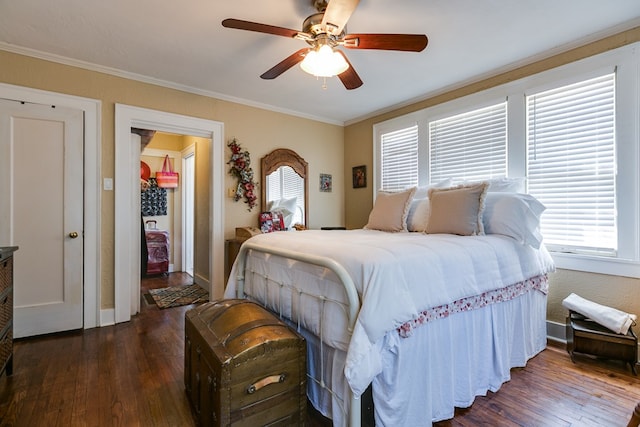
325	182
360	176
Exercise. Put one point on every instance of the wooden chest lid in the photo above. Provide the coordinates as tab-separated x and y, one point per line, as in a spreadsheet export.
236	328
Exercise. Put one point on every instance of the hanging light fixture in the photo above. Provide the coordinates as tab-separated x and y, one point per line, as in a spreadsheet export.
324	62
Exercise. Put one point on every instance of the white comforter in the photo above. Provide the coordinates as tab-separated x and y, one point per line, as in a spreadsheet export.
399	274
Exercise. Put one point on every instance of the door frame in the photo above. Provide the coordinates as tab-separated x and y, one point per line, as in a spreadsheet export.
187	208
127	222
92	188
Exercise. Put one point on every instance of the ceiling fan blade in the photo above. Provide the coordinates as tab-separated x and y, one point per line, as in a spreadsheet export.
404	42
349	78
284	65
337	14
260	28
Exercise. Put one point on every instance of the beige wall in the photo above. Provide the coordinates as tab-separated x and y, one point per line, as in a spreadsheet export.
258	131
620	292
202	204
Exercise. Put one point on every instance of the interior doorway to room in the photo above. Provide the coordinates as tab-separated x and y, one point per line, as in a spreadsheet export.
127	202
168	214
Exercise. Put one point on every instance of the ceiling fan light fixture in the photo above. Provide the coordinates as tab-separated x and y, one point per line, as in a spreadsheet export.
324	62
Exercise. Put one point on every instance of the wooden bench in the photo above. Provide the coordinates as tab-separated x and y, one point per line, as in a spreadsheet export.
588	337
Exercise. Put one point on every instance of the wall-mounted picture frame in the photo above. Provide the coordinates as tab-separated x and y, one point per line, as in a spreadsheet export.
325	182
359	176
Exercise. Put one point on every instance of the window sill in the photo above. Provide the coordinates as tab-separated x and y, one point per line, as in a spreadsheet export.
595	264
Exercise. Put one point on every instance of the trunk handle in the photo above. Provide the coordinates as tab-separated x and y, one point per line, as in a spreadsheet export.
265	382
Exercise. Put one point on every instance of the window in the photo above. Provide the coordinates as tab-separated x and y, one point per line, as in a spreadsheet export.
399	158
469	146
571	164
573	132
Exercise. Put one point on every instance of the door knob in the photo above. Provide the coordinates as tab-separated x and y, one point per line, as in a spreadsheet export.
73	234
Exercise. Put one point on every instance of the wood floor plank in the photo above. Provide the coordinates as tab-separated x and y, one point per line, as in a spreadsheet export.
131	374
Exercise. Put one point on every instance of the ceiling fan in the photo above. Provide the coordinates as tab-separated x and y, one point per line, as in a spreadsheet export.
324	31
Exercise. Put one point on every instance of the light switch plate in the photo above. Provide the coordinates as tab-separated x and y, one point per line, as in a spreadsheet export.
108	184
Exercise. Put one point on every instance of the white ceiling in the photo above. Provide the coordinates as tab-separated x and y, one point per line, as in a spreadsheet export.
182	44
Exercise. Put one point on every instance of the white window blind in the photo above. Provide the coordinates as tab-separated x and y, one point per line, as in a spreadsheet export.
399	159
571	164
469	146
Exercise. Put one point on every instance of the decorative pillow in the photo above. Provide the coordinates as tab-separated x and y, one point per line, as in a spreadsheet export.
515	215
390	211
457	210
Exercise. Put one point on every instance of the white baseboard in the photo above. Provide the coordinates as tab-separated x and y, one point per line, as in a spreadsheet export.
556	332
203	282
108	317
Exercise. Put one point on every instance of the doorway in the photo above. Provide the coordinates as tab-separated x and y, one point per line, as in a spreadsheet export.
169	213
127	206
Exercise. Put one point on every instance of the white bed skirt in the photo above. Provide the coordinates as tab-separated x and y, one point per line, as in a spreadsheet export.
445	364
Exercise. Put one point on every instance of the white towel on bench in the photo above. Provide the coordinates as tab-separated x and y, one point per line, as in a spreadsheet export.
611	318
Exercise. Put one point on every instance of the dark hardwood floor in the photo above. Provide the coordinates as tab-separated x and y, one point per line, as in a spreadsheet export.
131	374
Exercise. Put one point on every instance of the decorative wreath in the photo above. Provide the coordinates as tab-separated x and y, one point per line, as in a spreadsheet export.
240	168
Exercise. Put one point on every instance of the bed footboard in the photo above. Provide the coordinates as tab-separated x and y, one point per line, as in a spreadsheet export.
353	300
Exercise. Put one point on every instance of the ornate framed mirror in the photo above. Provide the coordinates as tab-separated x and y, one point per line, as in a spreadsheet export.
285	184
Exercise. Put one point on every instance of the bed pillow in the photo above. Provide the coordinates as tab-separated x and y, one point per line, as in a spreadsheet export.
390	211
423	192
515	215
286	207
506	185
457	210
500	185
418	215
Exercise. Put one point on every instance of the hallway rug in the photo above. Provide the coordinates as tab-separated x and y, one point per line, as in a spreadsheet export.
179	295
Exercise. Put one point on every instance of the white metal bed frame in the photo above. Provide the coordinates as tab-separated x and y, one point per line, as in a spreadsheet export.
353	300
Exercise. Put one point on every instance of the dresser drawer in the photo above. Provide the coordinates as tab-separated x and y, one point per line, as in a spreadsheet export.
6	273
6	308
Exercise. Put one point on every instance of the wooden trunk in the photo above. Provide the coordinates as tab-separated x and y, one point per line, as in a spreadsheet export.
243	366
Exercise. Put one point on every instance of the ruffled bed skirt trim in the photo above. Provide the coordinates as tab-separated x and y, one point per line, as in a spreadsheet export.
540	283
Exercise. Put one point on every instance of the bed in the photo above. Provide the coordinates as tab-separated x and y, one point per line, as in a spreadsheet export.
429	320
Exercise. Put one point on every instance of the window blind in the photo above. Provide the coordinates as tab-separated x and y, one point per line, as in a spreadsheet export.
399	159
274	188
469	146
571	164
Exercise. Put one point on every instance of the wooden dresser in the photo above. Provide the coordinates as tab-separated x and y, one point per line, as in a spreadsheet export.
6	309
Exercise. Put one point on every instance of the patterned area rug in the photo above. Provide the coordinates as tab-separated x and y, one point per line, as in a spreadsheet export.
179	295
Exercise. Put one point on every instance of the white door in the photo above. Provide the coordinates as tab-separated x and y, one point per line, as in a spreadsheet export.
41	212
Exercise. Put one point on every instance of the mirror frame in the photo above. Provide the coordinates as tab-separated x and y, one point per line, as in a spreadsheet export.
285	157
